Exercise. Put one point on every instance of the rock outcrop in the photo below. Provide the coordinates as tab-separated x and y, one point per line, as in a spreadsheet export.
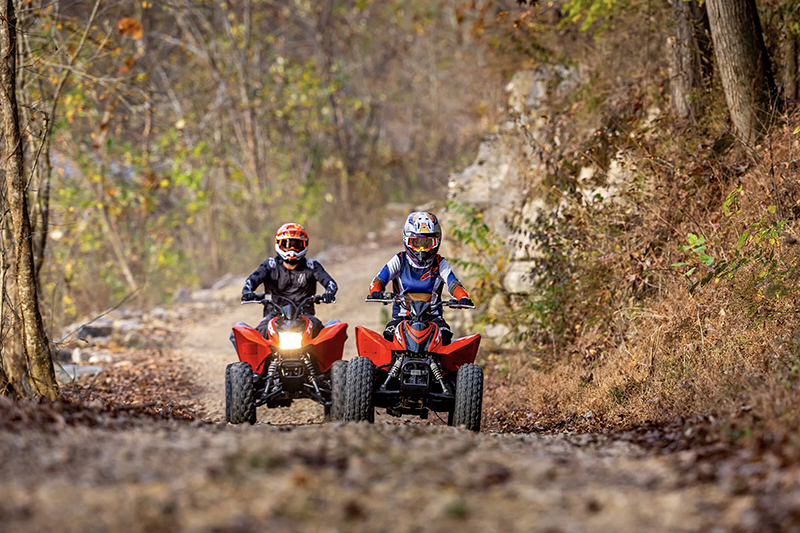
510	182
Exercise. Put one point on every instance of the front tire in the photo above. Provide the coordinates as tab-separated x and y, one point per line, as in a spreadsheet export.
469	398
338	390
358	405
239	404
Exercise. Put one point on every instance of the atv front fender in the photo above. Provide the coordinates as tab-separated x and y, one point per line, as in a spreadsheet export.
373	346
459	352
328	346
251	347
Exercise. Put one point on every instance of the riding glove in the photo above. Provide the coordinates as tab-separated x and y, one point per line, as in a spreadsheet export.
249	297
466	302
328	297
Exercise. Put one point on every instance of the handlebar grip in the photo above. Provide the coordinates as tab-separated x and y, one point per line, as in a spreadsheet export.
259	299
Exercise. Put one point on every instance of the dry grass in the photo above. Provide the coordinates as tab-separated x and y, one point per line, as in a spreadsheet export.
640	348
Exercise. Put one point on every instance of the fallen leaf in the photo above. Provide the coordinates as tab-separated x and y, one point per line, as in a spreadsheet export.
130	26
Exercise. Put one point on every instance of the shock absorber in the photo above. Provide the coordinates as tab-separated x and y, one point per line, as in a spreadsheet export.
312	377
437	374
271	370
394	371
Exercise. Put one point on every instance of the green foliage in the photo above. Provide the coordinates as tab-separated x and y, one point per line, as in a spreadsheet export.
589	10
489	258
757	246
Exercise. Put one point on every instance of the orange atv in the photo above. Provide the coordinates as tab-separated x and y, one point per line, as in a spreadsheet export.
288	365
415	373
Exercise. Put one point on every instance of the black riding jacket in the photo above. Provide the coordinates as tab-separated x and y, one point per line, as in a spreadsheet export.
296	285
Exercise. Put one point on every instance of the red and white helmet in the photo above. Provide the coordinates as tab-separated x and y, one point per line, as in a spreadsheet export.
291	242
422	236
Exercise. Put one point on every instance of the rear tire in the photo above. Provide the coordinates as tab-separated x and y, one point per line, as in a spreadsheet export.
338	390
469	398
239	405
358	404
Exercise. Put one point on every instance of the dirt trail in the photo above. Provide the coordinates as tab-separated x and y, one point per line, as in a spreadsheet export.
347	478
291	473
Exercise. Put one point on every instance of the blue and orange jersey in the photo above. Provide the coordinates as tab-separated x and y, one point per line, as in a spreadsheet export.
424	282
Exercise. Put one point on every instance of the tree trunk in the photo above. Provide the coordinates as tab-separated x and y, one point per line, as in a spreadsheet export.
12	359
789	61
41	375
744	65
689	57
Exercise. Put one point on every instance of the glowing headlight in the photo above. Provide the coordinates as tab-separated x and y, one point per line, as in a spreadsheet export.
290	340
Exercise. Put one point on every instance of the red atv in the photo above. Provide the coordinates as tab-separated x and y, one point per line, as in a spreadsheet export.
415	373
288	365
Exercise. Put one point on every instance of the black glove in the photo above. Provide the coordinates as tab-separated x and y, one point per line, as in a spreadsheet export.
327	298
466	302
377	295
249	297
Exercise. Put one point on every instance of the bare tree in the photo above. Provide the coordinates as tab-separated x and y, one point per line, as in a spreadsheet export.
689	58
38	358
789	63
788	49
744	65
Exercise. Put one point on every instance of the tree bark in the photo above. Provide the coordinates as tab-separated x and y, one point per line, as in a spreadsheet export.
41	375
689	57
789	62
744	65
12	359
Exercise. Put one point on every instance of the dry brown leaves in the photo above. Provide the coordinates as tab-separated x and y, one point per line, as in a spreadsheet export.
148	382
148	385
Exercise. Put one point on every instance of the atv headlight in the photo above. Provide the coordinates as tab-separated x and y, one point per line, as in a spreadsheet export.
290	340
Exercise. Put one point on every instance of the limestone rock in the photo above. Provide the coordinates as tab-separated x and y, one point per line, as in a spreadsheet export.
518	278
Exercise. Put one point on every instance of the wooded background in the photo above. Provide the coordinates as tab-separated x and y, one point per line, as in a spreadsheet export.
153	145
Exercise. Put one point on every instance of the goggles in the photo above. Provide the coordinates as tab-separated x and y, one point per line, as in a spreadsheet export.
421	244
298	245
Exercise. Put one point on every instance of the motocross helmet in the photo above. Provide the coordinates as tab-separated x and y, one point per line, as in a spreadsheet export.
291	242
422	236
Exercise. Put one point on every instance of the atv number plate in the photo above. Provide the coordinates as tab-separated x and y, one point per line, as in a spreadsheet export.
417	372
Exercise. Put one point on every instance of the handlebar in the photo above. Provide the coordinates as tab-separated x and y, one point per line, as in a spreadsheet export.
265	299
390	298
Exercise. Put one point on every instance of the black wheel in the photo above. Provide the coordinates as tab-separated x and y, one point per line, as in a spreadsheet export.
358	404
338	379
239	405
469	397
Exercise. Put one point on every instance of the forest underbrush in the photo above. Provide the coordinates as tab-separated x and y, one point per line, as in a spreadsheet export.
673	307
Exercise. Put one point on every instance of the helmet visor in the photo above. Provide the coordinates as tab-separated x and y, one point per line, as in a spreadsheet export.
422	244
297	245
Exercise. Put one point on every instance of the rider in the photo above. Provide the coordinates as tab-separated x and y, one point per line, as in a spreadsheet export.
419	272
290	276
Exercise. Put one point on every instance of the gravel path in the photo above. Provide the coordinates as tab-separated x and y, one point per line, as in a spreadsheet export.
346	478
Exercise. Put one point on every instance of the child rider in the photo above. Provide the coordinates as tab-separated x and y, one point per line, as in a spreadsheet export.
419	272
291	276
